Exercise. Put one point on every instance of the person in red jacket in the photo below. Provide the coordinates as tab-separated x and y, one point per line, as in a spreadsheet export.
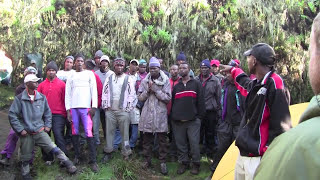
267	112
54	90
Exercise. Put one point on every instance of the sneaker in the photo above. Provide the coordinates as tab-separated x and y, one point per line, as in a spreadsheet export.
106	158
94	167
182	168
5	161
72	169
164	170
49	163
195	169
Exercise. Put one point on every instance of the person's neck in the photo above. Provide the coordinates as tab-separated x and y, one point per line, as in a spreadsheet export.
30	91
119	74
67	69
174	78
79	70
132	72
205	76
51	79
103	70
155	76
186	78
261	72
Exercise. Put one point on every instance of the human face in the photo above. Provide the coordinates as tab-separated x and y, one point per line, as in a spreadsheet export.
142	68
160	61
229	77
184	70
179	62
314	61
79	64
97	61
104	65
215	69
205	71
32	85
154	71
174	70
118	69
251	64
68	63
133	67
51	74
34	65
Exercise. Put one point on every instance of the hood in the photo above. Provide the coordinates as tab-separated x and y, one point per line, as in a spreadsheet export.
313	110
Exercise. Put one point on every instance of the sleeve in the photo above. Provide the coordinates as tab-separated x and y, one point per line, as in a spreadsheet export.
40	88
93	90
68	94
47	115
218	97
15	115
131	95
173	95
200	102
241	80
99	89
165	93
143	94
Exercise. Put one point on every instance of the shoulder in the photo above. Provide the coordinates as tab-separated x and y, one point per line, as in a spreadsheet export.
277	81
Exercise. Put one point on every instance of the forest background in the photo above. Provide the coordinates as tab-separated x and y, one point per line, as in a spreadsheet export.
213	29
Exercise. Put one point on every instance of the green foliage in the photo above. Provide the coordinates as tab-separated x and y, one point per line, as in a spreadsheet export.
6	96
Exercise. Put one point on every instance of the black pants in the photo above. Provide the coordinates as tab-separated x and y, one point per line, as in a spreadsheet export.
208	132
184	131
58	127
148	140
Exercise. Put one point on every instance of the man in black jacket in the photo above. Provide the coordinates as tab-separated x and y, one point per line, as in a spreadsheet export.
186	113
267	110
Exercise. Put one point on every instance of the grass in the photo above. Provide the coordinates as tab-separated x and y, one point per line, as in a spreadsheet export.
6	96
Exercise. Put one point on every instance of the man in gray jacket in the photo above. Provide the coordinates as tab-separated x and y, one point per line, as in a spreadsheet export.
30	117
155	92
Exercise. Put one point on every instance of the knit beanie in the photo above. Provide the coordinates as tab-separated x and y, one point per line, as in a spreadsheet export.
142	62
69	57
52	65
98	54
119	61
181	56
154	62
206	63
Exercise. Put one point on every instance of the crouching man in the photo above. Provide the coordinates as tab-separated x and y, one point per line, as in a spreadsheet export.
30	117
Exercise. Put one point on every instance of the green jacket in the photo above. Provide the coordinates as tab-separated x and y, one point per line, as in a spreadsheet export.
29	116
296	153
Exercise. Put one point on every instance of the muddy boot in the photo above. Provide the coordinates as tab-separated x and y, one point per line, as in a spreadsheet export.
106	158
70	167
92	154
64	160
25	170
182	167
195	168
4	160
76	147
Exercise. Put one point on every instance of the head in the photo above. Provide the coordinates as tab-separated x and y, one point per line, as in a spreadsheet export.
161	62
89	64
104	63
118	65
29	70
260	55
184	69
51	70
68	63
174	70
31	81
215	66
205	67
181	58
314	49
97	57
79	62
154	67
142	66
133	67
33	63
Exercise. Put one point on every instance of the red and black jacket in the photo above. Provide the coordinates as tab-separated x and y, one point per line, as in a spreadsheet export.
187	101
266	114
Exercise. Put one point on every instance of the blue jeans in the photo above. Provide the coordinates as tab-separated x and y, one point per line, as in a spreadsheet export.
133	137
117	139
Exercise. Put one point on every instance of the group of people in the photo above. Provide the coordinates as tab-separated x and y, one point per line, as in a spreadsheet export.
199	114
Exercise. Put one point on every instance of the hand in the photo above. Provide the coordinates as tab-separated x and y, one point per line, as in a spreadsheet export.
92	112
225	68
23	133
150	86
46	129
69	116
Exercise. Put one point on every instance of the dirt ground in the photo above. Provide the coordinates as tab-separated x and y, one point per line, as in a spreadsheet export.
7	173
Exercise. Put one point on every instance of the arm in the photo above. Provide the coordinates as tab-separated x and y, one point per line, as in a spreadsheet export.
68	94
241	80
99	88
143	91
200	102
165	93
218	97
93	90
14	115
47	115
131	95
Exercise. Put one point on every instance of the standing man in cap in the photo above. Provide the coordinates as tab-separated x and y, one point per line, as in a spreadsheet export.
13	137
295	154
215	66
212	95
30	117
187	112
267	112
81	102
96	59
54	90
155	92
67	71
181	58
117	100
104	72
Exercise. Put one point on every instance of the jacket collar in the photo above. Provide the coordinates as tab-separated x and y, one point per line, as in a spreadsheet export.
25	96
162	79
313	110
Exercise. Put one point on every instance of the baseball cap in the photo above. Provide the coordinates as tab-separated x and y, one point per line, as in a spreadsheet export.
142	62
29	69
234	63
215	62
262	52
31	78
33	62
134	60
105	57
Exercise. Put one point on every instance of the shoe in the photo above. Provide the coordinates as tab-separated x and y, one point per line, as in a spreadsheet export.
146	164
195	169
5	161
164	170
94	167
76	161
106	158
70	167
27	177
49	163
182	168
